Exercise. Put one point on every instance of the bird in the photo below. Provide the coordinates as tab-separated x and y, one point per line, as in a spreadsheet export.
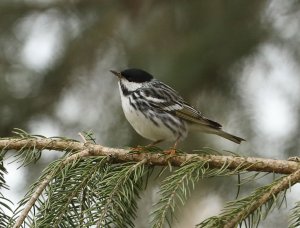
157	112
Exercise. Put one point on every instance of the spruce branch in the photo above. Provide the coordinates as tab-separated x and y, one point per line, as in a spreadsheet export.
178	185
124	155
174	188
237	211
295	216
87	204
5	203
43	184
61	208
122	182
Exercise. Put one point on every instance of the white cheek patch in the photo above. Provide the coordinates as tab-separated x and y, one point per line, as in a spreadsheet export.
131	86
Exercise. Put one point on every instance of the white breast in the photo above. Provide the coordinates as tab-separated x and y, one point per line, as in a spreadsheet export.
144	126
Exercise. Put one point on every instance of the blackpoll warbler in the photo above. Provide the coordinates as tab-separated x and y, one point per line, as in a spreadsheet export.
157	112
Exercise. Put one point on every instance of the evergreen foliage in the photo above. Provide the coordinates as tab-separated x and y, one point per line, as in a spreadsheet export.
5	204
249	218
177	187
95	191
295	216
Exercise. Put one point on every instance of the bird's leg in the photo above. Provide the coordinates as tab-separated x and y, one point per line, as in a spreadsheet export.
141	148
154	143
172	150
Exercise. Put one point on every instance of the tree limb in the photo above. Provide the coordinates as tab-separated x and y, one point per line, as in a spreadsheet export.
122	155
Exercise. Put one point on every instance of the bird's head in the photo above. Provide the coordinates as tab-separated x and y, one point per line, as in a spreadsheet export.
132	79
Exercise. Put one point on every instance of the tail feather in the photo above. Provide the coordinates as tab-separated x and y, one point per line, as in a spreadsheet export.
219	132
230	137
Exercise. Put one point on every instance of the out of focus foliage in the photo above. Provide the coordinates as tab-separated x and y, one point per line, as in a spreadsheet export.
191	45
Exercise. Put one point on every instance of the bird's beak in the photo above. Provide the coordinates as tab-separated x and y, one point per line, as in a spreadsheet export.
116	73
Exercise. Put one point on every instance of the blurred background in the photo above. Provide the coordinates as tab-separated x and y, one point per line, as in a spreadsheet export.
236	61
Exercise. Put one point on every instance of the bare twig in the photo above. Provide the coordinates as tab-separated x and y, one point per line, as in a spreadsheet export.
82	137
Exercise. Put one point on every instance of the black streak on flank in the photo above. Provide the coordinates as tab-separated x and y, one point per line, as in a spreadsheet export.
132	104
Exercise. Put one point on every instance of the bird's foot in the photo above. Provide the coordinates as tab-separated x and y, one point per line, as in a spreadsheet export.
138	148
295	159
170	152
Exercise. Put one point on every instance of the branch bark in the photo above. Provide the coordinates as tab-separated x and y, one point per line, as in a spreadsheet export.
122	155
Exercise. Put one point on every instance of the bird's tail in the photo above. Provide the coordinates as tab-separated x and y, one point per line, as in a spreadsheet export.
217	131
230	137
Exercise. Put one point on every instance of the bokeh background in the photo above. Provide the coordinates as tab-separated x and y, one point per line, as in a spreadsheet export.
236	61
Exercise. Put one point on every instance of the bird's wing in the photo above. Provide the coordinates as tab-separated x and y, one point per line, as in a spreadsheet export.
167	99
190	114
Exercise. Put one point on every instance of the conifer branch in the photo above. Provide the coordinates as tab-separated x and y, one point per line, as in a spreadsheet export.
125	183
4	202
125	155
38	191
32	201
175	187
295	218
282	184
29	149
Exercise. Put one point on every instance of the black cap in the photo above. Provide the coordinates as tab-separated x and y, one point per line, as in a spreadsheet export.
136	75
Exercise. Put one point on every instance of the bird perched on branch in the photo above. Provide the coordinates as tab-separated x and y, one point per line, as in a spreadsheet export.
157	112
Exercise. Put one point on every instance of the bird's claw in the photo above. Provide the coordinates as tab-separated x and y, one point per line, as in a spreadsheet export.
137	148
170	152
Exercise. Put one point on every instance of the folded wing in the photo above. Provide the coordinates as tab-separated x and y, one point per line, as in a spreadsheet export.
164	98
